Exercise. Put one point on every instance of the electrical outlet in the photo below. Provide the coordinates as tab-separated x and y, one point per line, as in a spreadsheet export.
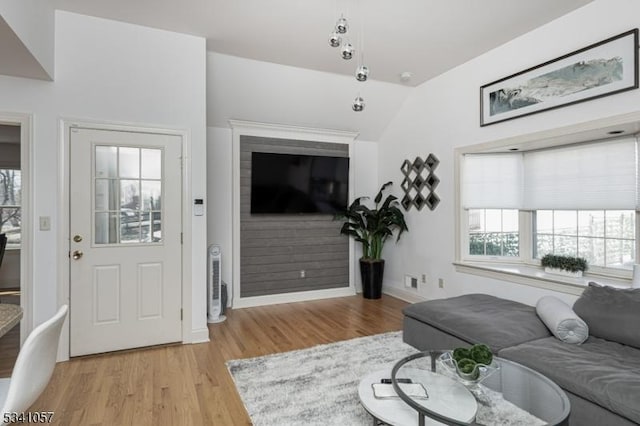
424	278
303	273
410	282
441	282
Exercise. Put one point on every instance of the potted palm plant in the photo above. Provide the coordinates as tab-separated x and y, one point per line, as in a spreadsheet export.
372	228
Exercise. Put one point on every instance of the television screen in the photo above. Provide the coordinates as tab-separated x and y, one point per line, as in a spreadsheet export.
285	183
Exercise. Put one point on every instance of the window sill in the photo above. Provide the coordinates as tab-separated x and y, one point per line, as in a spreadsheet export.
534	276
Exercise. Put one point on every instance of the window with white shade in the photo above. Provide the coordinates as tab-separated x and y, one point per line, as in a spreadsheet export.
579	200
582	177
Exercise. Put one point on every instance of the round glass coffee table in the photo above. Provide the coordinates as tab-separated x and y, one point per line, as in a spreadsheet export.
511	391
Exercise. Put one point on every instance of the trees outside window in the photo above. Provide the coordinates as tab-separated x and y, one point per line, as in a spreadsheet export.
10	206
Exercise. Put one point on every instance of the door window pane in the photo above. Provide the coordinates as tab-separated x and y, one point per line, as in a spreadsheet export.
129	226
106	228
129	162
106	161
151	193
151	164
129	194
152	227
127	208
106	194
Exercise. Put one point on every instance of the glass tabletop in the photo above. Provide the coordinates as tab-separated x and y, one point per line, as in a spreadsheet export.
507	392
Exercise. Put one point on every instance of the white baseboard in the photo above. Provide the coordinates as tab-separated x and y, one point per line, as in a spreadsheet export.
302	296
402	294
200	335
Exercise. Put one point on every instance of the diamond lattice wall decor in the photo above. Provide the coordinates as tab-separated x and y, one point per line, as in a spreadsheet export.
420	182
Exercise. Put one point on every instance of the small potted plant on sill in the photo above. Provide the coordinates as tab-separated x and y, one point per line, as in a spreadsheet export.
564	265
372	228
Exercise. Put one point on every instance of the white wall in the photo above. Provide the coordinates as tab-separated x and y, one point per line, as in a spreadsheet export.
115	72
33	23
250	90
219	188
443	113
365	164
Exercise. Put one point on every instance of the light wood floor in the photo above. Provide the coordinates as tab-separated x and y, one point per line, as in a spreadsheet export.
190	384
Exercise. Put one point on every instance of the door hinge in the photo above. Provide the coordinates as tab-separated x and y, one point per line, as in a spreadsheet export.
180	314
181	238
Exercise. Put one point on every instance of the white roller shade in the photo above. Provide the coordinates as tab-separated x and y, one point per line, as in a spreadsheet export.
582	177
492	181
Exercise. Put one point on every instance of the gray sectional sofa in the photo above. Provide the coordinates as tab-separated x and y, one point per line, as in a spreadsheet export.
601	377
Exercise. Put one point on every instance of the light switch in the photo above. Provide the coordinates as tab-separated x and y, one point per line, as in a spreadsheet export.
198	207
45	223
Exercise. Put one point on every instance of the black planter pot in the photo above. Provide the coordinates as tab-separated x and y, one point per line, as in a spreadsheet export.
372	272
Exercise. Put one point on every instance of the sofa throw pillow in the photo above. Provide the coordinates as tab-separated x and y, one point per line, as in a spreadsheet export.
611	313
561	320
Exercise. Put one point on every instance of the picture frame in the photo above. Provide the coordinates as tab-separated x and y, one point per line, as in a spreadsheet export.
601	69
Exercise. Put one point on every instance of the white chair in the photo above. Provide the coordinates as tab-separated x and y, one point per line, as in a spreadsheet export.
34	366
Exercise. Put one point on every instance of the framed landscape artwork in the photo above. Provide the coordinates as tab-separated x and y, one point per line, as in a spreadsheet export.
601	69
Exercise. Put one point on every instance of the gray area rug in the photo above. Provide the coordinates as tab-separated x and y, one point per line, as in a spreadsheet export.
315	386
319	385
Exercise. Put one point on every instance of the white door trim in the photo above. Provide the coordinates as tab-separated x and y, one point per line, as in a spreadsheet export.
249	128
65	126
25	121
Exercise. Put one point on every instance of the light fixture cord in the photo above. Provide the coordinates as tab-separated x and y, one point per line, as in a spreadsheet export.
361	44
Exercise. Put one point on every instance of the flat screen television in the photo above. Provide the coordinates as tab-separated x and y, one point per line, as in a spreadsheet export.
289	184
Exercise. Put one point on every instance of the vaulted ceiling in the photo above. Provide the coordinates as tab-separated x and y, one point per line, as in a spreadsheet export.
423	37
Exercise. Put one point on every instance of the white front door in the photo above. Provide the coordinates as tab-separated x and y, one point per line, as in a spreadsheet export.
125	240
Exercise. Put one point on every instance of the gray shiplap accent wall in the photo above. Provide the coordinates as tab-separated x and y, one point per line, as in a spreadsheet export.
275	248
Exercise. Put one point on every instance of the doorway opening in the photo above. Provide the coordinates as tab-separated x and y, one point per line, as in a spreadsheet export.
11	237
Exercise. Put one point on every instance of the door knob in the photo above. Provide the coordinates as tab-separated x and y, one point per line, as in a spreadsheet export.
77	238
77	254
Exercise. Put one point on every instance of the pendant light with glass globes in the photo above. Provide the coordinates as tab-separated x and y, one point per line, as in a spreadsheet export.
347	51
